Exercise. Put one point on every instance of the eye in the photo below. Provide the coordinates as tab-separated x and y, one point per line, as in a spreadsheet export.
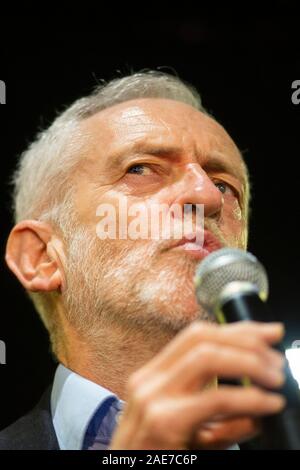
223	187
139	169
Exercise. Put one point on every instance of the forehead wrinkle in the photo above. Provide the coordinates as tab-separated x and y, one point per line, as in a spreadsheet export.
135	116
140	119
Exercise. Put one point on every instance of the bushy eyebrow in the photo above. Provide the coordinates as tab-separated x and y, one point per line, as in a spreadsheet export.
171	152
213	163
222	165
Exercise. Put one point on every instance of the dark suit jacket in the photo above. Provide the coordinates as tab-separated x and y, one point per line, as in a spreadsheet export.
33	431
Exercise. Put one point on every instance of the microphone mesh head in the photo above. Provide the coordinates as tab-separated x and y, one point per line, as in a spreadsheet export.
224	266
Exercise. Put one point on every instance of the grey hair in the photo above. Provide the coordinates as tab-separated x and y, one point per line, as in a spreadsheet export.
42	182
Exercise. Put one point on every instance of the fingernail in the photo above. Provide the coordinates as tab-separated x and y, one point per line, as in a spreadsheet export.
273	326
207	435
276	359
275	376
276	402
274	329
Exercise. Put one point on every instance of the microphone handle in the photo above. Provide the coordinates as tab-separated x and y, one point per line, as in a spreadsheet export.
282	430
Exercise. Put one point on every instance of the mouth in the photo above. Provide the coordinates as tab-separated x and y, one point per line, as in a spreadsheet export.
198	245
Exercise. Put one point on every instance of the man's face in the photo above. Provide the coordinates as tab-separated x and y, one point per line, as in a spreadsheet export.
150	152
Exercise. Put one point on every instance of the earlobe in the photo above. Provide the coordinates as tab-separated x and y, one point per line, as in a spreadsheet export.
28	258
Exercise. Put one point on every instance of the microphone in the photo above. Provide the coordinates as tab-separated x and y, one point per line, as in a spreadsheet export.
232	285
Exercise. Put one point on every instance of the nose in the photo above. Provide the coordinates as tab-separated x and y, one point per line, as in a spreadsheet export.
196	187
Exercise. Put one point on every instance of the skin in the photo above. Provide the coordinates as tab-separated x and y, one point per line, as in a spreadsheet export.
137	328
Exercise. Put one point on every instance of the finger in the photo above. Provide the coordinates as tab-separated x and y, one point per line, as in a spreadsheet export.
258	337
174	420
268	332
247	335
208	360
228	402
223	434
170	423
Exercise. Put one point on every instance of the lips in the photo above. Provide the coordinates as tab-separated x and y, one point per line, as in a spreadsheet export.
198	245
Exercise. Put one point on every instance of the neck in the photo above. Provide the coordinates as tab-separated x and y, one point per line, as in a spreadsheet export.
113	355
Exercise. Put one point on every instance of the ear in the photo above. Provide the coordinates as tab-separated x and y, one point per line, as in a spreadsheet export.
34	255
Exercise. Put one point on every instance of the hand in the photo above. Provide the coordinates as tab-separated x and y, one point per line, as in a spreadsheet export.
169	404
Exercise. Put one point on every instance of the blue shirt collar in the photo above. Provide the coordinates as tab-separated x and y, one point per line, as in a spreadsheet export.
82	411
84	414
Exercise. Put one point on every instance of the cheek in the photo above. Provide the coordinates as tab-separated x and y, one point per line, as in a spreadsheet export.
135	185
124	217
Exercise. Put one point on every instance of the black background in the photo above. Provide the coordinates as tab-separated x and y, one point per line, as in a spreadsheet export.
243	67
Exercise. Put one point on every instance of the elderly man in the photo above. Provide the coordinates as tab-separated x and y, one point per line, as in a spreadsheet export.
138	358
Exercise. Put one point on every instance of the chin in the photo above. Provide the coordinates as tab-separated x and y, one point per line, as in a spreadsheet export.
183	312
